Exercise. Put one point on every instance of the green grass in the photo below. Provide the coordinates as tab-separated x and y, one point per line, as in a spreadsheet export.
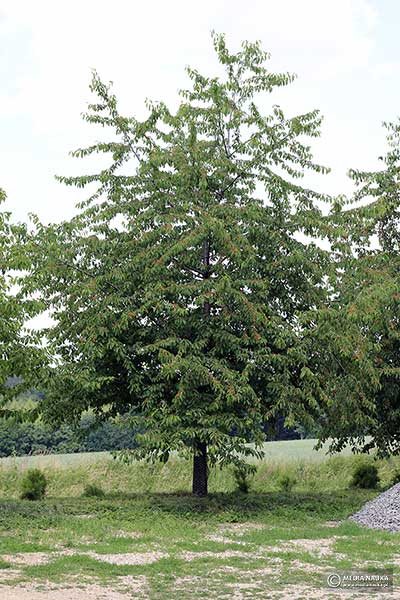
112	476
276	451
174	525
263	542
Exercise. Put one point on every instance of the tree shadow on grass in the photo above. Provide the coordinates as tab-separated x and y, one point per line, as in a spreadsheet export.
290	508
238	506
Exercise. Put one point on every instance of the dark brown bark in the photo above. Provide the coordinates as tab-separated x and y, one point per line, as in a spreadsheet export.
200	470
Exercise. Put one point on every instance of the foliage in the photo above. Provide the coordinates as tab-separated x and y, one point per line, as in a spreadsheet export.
365	476
33	485
93	491
19	354
24	438
179	289
243	475
286	482
360	333
395	478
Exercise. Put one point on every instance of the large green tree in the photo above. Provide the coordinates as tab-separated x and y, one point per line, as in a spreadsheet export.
19	355
178	290
364	348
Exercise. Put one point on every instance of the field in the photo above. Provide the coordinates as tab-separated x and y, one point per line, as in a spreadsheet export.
147	538
274	451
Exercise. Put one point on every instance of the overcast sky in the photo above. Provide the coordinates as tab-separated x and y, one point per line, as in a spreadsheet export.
346	54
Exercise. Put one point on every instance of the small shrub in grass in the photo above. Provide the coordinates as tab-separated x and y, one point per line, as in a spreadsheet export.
33	485
286	482
395	478
93	491
243	475
365	476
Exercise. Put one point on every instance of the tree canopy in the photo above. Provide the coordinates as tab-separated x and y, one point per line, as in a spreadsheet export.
19	354
179	290
363	322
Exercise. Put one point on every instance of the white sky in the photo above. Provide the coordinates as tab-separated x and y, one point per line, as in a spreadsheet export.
346	54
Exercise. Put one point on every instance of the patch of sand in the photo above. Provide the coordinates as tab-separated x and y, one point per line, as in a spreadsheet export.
321	547
42	558
308	567
299	592
253	573
131	558
35	558
240	528
188	579
127	534
332	523
224	540
89	592
7	574
127	588
208	554
27	558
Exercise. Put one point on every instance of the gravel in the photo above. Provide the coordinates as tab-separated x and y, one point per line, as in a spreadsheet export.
381	513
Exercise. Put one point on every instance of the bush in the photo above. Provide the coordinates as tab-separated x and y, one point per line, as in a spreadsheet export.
243	475
287	482
33	485
395	478
365	476
93	491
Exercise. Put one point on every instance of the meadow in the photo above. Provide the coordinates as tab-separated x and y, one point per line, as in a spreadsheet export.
145	537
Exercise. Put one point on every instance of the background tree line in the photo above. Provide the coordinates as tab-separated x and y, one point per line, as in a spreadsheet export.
24	438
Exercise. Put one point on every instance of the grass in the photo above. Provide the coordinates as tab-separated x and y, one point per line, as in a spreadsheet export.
292	450
256	545
333	473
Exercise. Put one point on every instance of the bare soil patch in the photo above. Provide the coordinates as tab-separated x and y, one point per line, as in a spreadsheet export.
208	554
321	547
133	587
7	574
131	558
240	528
27	558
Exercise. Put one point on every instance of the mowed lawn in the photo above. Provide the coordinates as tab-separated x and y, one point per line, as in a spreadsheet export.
148	538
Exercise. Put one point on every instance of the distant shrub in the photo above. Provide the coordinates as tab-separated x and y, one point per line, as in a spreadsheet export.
243	475
33	485
286	482
93	491
395	478
365	476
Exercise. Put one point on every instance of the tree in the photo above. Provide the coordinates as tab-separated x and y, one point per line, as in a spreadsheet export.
19	357
366	410
178	290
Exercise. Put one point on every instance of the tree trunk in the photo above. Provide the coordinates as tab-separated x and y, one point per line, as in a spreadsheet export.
200	470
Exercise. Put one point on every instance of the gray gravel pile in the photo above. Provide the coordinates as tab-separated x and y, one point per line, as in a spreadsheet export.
381	513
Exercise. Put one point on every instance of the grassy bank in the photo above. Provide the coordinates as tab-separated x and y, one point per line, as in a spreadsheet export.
115	477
